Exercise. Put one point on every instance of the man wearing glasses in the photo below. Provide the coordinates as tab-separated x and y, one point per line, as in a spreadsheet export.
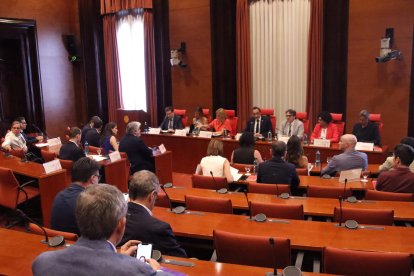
291	126
85	172
258	125
14	138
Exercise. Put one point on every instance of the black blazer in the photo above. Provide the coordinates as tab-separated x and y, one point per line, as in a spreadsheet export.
138	153
70	151
177	123
265	125
85	130
142	226
93	138
277	171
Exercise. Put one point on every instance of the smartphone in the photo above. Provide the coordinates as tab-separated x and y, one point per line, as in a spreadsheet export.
144	251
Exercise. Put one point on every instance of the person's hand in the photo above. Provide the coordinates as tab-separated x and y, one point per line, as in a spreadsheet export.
129	247
154	264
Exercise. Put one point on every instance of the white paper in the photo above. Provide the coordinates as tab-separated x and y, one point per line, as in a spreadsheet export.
153	130
237	137
180	132
352	175
364	146
162	148
235	173
205	134
114	156
283	139
52	166
97	158
323	143
54	142
41	145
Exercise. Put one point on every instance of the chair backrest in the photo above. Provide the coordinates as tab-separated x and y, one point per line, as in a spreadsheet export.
303	116
94	150
207	182
359	263
365	216
272	189
276	210
376	118
9	189
162	201
17	152
183	114
242	167
206	112
328	192
270	112
48	156
116	174
230	113
303	171
208	204
337	120
390	196
52	233
257	250
67	165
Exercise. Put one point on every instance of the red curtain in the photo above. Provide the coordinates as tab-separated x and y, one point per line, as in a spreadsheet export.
114	6
315	62
244	83
112	66
150	65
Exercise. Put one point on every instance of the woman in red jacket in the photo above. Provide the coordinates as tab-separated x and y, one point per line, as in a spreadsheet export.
325	129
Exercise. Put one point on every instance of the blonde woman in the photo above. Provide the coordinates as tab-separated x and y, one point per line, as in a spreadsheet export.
220	122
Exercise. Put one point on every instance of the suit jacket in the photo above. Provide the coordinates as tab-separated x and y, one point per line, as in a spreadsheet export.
265	125
93	138
147	229
397	180
89	257
277	171
177	123
70	151
85	130
295	129
139	155
15	142
331	132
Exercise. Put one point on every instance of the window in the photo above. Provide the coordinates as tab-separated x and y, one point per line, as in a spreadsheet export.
130	38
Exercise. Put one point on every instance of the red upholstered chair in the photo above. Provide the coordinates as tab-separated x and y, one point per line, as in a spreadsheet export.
256	249
94	150
183	114
67	165
303	171
52	233
366	216
364	263
389	196
303	116
231	115
328	192
276	210
116	173
17	152
272	189
207	204
271	113
376	118
206	112
337	120
207	182
242	167
162	200
47	155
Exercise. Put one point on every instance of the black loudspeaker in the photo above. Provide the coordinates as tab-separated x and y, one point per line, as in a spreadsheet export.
70	45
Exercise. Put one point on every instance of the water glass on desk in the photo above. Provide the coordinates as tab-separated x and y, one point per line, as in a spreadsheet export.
365	174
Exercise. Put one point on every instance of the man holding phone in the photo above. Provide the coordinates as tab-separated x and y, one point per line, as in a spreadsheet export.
100	212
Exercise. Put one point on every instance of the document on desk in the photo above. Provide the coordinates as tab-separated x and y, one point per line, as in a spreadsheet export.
42	145
235	173
52	166
114	156
97	158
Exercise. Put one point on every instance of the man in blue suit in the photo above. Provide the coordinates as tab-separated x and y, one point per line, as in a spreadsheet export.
171	121
258	125
100	213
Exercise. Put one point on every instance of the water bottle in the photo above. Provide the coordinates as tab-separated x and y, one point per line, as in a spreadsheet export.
86	148
305	139
269	136
254	166
318	158
145	127
224	133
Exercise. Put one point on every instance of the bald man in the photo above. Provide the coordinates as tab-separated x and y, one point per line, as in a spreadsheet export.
349	159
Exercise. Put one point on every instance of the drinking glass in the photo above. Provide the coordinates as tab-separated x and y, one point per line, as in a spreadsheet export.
365	175
328	159
247	169
98	151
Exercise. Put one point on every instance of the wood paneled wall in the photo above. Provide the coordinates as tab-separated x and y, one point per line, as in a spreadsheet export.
381	88
190	23
61	81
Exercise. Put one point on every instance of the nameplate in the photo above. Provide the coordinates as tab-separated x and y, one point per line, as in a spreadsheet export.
180	132
54	142
283	139
205	134
114	156
364	146
154	130
237	137
352	175
323	143
52	166
162	148
41	145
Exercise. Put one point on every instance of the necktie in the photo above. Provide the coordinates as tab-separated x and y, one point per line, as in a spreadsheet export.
290	129
170	124
257	127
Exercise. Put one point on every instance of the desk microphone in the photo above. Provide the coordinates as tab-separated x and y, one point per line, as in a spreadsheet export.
249	204
272	244
340	210
168	198
43	133
221	190
344	193
215	183
176	210
52	242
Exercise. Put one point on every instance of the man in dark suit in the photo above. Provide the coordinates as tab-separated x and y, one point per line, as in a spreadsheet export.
71	150
139	155
141	225
171	121
87	127
276	170
85	172
258	125
93	136
100	213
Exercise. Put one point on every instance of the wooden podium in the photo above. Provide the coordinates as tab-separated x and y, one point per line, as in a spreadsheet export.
123	117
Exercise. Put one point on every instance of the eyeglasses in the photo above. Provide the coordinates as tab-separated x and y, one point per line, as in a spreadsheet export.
98	176
288	115
15	127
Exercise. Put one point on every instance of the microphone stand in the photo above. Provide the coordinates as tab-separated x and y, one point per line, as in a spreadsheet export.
344	195
340	210
249	204
272	243
168	198
215	183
